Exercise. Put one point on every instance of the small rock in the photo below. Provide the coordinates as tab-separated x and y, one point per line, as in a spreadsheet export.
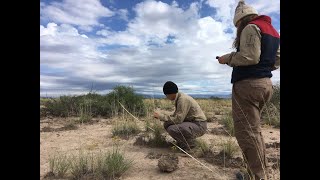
168	162
273	159
273	145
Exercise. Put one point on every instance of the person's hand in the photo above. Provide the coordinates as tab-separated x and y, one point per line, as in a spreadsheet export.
222	60
156	115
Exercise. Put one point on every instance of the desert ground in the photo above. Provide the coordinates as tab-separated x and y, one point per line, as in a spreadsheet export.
96	136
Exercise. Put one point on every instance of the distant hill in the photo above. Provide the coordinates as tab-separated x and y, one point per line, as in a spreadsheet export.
205	96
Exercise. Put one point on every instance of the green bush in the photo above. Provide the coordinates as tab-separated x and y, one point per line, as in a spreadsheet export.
115	164
229	148
59	107
202	148
106	165
80	165
98	104
157	139
59	165
93	105
131	101
125	128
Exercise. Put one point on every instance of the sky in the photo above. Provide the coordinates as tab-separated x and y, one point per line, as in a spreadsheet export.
96	45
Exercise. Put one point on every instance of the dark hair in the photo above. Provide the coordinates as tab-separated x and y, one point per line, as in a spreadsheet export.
244	22
170	88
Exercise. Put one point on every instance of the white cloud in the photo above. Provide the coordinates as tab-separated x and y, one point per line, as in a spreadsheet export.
104	32
63	47
76	12
266	7
224	8
123	13
140	55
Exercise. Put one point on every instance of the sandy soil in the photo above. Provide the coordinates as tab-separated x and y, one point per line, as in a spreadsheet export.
97	137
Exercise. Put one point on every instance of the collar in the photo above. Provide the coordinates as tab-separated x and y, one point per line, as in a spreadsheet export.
263	18
177	96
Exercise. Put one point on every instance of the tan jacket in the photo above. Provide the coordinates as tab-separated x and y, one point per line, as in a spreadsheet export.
187	109
250	45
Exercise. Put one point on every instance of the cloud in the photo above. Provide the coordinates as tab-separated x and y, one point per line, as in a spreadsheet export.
84	13
266	7
123	13
224	8
162	42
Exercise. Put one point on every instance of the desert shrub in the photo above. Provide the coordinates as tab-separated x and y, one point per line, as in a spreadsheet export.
157	139
126	96
59	165
229	148
125	128
93	105
85	113
113	164
147	125
202	148
227	121
271	115
80	165
58	106
102	165
98	105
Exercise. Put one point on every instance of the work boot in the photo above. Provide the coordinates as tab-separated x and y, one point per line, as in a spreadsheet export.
242	176
186	147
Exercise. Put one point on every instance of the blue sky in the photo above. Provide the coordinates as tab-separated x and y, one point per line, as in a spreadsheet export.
92	44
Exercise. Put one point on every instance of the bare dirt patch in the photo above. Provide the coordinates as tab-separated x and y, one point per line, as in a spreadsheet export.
97	137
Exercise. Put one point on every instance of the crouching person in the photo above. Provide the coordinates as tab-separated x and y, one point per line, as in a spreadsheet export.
188	120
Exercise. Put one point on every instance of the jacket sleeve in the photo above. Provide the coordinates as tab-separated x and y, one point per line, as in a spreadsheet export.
183	107
250	48
277	64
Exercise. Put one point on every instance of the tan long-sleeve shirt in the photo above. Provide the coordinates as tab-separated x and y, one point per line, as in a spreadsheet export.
250	49
187	109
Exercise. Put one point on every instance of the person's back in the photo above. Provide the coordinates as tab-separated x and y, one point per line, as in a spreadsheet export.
195	112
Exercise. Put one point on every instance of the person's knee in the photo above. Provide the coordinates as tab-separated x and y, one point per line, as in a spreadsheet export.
172	129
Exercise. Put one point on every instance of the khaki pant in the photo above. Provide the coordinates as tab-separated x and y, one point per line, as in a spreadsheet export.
248	98
186	132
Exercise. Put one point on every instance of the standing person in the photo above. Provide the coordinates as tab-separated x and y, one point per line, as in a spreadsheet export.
258	53
188	120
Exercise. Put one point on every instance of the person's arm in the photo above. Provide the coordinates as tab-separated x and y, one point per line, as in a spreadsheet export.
250	48
183	107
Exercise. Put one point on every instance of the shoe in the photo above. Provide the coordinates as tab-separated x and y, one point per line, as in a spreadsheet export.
186	147
242	176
